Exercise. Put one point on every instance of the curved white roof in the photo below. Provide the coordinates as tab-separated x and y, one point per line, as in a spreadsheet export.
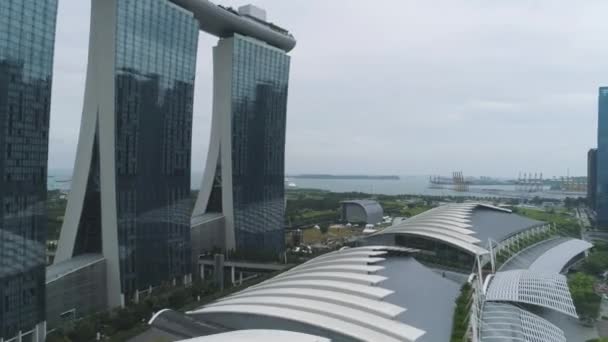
556	258
259	335
448	223
447	232
346	253
507	323
471	248
381	308
322	321
366	291
364	269
444	221
344	259
522	286
344	313
338	292
351	277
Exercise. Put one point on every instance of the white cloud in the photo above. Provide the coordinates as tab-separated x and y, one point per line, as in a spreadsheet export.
404	86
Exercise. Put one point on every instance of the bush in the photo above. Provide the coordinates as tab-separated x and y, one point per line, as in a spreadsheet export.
57	336
586	301
461	314
84	330
596	263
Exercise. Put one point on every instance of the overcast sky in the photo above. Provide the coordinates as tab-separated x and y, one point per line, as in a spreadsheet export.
404	87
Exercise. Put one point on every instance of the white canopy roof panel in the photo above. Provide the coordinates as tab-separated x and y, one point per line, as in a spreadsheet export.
373	292
449	223
507	323
381	308
522	286
344	313
352	277
259	335
363	269
356	260
326	322
556	258
338	292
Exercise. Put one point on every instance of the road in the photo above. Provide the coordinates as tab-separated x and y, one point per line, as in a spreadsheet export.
602	324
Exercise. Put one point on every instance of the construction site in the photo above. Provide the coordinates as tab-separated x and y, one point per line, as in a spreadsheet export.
526	184
530	182
456	183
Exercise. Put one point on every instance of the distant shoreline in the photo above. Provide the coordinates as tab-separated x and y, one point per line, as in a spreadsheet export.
315	176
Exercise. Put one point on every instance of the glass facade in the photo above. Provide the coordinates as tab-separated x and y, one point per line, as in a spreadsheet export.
27	38
156	46
75	288
592	177
602	159
259	106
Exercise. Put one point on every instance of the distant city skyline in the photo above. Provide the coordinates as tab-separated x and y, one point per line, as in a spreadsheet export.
507	88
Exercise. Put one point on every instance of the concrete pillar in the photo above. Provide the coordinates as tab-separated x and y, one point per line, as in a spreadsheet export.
202	271
232	278
240	278
219	270
492	256
136	297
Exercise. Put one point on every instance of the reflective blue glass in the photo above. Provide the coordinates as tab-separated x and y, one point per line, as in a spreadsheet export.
155	63
602	158
155	68
259	106
27	34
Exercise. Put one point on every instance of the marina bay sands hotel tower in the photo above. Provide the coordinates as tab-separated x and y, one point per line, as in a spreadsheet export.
130	197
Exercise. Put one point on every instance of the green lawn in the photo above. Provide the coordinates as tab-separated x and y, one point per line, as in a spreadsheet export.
312	235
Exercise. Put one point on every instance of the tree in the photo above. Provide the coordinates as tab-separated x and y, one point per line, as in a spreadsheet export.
324	228
586	301
596	263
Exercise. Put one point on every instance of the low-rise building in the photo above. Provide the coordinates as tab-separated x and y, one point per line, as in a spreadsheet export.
361	212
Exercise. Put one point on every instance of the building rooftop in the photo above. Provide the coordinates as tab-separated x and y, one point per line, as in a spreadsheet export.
225	22
344	295
547	256
464	225
532	277
428	296
373	210
259	335
339	292
74	264
546	290
498	225
507	323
